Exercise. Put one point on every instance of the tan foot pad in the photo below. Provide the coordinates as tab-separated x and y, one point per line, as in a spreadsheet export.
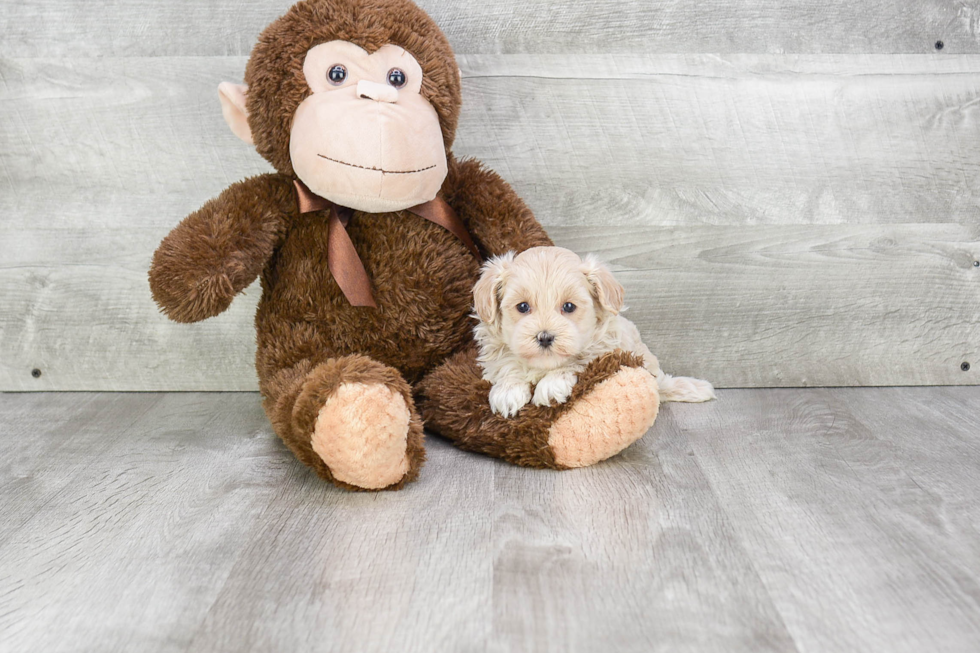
614	415
361	433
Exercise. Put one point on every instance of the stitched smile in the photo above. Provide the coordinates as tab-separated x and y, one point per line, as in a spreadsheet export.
386	172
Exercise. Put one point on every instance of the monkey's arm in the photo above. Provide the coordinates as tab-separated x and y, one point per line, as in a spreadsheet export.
496	217
215	252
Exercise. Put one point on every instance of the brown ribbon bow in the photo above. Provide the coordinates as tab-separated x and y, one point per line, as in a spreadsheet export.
342	259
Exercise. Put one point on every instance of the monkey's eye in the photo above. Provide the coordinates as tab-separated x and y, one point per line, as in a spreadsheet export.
568	307
337	74
523	307
396	77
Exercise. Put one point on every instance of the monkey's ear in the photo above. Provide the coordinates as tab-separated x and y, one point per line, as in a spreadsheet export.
608	292
233	109
486	292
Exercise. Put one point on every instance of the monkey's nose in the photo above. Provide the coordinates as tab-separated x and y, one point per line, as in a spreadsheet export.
545	339
377	92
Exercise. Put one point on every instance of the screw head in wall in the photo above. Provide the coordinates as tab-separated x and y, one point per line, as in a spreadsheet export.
965	366
36	373
940	45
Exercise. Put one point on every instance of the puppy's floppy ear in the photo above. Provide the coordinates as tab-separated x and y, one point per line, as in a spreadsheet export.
486	292
608	292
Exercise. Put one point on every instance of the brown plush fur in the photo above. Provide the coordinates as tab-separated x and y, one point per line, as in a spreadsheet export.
310	339
215	252
274	76
421	275
464	415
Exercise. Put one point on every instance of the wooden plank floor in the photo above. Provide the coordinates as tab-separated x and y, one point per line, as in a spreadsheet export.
771	520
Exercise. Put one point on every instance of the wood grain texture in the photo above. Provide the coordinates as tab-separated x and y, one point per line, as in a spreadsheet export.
769	520
830	488
703	139
796	305
44	28
670	139
122	514
801	305
634	554
408	571
820	212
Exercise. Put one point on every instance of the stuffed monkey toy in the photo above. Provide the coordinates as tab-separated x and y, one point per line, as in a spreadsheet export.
368	240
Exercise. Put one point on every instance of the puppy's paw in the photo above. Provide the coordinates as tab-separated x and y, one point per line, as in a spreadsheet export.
556	387
508	398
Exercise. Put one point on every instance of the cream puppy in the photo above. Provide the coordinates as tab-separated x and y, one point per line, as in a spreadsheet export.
544	315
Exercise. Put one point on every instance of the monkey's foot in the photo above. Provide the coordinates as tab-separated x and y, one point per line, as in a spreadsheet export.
614	402
614	414
361	433
352	419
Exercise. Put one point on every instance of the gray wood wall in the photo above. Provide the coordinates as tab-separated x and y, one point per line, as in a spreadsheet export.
789	190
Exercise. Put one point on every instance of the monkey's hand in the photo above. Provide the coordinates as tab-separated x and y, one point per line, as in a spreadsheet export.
217	251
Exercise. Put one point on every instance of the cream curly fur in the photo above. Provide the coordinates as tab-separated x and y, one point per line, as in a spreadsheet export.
523	301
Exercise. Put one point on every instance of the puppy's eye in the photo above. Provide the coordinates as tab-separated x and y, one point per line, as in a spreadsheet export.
523	307
337	74
568	307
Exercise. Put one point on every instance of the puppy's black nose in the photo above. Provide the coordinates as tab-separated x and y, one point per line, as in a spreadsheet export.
545	339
